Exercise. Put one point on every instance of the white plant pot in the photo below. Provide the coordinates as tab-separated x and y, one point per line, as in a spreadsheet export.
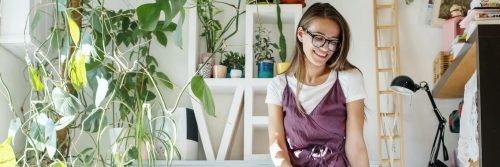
236	73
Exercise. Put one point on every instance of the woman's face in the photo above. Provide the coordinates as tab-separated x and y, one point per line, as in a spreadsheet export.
322	27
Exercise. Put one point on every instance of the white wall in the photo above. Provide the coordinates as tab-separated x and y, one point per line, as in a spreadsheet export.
13	73
419	44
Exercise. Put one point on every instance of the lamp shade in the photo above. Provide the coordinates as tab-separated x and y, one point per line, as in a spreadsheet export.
404	85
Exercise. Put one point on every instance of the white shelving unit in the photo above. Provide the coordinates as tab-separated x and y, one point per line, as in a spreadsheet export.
290	15
244	89
13	15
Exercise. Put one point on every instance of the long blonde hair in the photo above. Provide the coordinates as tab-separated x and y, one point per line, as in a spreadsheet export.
337	62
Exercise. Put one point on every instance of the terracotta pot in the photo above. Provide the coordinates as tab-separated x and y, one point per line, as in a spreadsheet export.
220	71
205	56
281	67
293	2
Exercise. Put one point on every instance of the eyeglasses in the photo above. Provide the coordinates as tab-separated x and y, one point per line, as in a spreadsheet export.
320	40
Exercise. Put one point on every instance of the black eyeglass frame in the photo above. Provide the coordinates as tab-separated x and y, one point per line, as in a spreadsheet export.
337	41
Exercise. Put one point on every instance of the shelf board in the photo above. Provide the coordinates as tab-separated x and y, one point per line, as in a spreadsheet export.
267	12
387	161
229	84
385	5
452	83
260	122
16	44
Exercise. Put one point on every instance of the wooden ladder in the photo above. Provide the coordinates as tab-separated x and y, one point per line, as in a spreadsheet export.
389	108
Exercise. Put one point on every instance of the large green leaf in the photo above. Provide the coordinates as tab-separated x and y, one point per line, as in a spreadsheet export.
74	29
37	132
51	138
164	80
92	121
56	39
7	156
133	152
177	6
148	15
96	24
57	163
65	103
15	124
282	41
77	71
35	81
87	155
166	8
203	93
64	121
99	83
161	37
178	31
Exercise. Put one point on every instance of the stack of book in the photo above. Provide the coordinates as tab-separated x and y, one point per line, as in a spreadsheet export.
457	45
480	15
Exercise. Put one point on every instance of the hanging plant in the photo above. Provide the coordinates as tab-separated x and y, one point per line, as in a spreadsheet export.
93	72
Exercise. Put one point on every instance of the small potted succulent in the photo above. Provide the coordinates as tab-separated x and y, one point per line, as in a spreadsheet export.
263	49
235	63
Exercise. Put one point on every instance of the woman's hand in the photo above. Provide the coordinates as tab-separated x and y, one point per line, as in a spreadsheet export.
355	146
277	145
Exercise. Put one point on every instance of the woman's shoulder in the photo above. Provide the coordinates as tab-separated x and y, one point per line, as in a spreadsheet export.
351	76
278	81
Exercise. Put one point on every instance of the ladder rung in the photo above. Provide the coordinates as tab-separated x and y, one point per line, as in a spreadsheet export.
389	114
385	26
384	48
384	70
385	5
389	137
387	92
386	161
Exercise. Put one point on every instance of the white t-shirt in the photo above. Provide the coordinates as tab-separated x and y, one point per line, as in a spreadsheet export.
351	82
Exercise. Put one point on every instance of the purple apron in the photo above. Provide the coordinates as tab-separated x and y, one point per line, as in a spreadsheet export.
316	139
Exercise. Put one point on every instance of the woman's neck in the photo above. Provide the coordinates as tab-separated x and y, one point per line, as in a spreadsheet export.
315	75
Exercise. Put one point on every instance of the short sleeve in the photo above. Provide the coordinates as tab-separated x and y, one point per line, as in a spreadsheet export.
275	88
354	86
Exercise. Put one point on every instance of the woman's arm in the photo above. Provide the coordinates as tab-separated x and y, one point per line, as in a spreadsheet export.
277	146
355	147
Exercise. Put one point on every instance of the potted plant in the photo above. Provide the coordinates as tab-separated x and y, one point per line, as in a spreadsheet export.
214	33
94	72
302	2
235	63
260	1
263	49
283	65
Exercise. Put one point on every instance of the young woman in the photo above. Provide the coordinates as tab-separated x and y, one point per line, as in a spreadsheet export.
316	108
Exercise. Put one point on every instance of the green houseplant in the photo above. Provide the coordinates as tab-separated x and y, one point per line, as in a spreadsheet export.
234	61
214	33
263	49
283	65
93	72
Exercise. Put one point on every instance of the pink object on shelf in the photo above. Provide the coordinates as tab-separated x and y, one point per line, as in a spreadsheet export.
451	29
